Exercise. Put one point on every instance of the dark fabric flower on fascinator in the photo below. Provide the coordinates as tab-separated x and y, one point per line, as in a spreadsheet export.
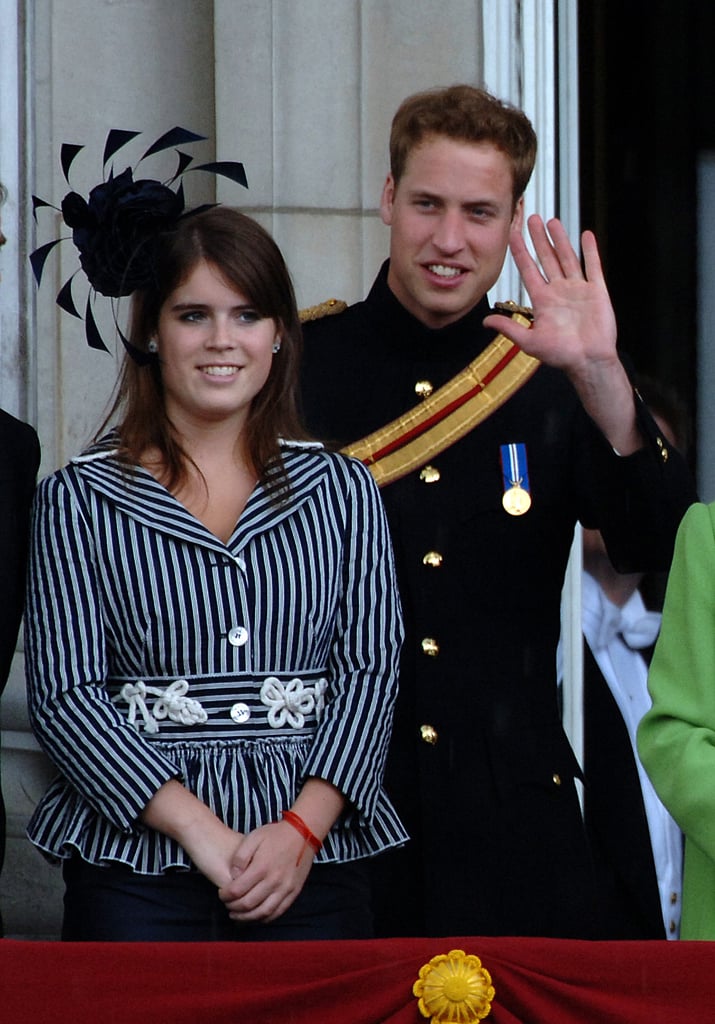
117	228
115	231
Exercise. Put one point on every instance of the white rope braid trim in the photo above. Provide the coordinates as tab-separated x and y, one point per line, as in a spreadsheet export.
171	703
289	703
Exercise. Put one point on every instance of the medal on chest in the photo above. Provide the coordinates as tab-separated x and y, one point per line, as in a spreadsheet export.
515	476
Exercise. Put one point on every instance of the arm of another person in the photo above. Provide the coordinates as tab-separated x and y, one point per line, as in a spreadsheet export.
19	462
123	777
346	763
676	738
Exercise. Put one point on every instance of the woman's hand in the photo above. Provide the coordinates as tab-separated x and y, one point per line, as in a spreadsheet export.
269	869
179	814
273	862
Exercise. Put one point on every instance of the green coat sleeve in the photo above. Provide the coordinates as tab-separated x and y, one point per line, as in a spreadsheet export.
676	739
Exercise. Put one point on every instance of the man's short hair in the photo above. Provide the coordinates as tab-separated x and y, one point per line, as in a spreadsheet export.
466	114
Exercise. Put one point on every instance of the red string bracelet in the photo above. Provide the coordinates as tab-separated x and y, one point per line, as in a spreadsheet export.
300	826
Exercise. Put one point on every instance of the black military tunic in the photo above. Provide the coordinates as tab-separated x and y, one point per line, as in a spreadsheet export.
480	768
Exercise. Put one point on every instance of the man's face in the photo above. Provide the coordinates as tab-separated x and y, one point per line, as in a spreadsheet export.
450	218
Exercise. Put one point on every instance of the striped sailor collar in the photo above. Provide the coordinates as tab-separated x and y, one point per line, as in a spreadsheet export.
138	494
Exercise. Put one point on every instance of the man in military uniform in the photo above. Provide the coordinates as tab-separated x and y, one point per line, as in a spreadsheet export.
488	453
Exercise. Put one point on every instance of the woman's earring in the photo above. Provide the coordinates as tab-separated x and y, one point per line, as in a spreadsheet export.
276	346
153	346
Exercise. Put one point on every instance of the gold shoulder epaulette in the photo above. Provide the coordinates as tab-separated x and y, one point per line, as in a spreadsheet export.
328	308
512	308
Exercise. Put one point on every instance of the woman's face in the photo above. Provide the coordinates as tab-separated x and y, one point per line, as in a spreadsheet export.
215	350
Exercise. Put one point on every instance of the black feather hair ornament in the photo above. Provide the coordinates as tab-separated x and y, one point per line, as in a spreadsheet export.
117	228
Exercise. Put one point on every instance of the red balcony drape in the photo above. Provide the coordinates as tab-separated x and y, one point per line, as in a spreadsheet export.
537	981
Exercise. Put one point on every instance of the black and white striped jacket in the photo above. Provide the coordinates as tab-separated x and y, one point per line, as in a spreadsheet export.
155	651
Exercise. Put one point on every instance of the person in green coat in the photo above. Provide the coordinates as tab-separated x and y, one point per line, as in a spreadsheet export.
676	738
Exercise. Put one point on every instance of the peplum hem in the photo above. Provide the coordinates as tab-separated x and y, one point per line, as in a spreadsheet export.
246	784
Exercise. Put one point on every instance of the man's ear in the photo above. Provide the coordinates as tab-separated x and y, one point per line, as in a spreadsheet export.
387	199
517	221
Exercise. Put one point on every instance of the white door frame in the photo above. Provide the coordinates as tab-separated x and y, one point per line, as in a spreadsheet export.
531	59
16	140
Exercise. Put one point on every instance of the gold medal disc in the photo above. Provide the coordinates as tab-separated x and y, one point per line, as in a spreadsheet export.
516	501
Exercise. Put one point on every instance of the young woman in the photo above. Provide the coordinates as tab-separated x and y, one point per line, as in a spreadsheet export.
212	628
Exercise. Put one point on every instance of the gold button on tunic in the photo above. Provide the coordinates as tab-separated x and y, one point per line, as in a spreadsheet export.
428	734
423	388
433	559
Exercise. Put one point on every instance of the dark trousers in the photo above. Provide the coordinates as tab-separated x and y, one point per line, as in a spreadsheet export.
115	904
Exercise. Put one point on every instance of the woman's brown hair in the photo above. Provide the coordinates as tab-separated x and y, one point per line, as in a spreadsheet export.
250	262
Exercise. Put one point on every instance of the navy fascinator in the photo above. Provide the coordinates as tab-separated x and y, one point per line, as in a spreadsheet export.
117	228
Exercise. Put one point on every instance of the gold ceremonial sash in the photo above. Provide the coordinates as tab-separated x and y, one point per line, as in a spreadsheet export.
464	402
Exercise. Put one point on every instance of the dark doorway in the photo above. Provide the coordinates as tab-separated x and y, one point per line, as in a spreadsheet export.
647	110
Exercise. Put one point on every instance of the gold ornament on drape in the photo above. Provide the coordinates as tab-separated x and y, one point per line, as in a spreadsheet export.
454	988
